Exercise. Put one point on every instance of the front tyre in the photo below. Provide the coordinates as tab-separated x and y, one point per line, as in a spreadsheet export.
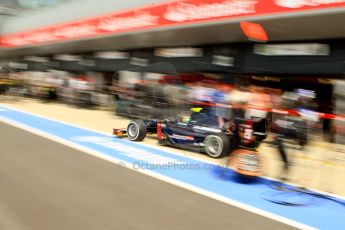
136	130
217	145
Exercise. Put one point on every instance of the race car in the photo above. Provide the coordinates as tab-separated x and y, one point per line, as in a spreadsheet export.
198	132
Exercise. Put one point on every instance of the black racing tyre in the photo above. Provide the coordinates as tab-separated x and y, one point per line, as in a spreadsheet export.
136	130
217	145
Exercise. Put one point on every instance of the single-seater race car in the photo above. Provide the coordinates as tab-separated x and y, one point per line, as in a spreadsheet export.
198	131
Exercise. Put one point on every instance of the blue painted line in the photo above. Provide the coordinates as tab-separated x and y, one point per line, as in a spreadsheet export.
319	213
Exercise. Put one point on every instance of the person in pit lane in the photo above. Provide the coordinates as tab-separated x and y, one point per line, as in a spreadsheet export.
291	127
221	98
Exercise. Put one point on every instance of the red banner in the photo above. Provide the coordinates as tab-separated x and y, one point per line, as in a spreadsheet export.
163	15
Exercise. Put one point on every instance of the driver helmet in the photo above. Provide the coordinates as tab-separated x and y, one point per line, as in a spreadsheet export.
184	119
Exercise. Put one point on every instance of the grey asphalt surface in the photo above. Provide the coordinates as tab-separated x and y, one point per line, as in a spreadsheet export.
47	186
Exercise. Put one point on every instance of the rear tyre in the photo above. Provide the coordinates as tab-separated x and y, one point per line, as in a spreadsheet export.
136	130
217	145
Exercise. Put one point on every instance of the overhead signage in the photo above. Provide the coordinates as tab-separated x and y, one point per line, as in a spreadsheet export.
300	49
17	65
167	14
67	57
303	3
139	61
254	31
53	64
89	63
179	52
190	11
112	55
36	59
223	60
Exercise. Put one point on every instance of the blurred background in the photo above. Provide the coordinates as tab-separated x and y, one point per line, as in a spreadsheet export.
154	58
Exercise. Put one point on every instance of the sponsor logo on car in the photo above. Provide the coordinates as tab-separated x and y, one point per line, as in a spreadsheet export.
180	137
207	129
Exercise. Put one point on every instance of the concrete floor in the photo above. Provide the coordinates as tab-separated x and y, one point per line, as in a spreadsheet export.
46	185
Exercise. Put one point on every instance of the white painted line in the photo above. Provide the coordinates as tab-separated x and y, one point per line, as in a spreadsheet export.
158	176
151	146
103	133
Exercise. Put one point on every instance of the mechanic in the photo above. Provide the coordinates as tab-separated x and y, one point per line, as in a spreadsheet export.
258	102
288	127
221	97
